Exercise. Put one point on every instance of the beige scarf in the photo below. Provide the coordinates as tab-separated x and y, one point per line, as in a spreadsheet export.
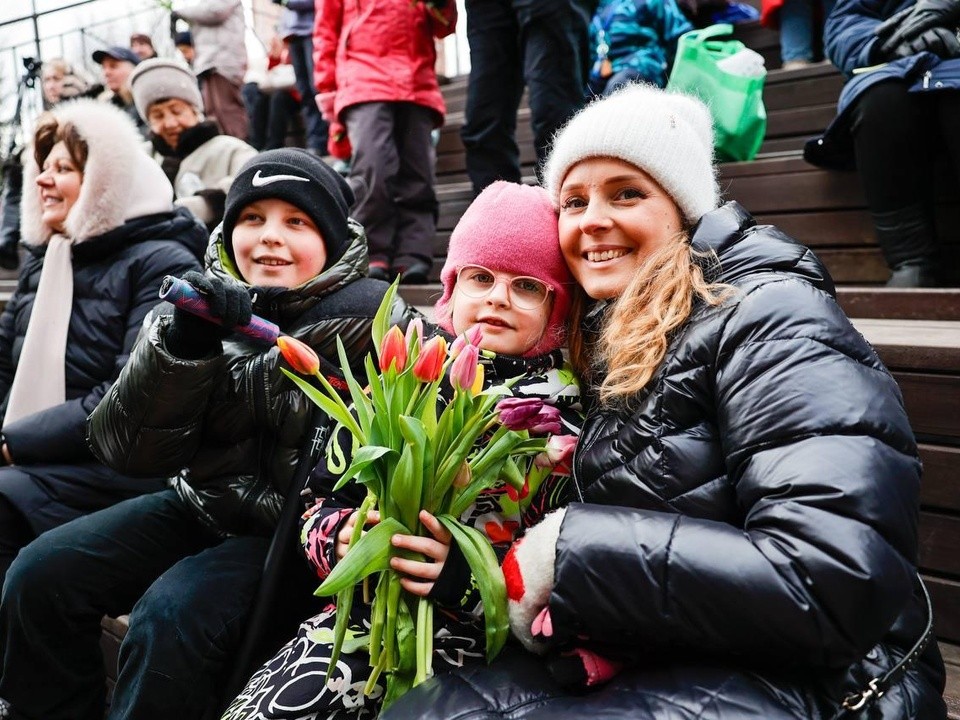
40	381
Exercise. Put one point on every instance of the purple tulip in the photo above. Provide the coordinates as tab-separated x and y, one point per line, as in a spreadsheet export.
529	414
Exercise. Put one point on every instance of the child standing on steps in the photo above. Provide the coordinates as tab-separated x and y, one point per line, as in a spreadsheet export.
374	69
504	273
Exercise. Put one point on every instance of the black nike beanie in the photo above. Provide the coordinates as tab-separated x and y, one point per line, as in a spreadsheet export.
301	179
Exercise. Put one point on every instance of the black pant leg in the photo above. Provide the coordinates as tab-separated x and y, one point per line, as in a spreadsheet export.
65	581
493	93
556	57
301	57
15	533
416	199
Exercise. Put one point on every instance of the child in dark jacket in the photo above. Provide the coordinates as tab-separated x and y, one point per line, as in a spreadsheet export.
213	410
504	274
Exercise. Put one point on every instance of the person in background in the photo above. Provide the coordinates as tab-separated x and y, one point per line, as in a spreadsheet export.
183	42
212	410
101	232
897	118
800	22
142	45
117	63
296	30
633	40
271	96
543	44
217	28
382	86
59	80
199	162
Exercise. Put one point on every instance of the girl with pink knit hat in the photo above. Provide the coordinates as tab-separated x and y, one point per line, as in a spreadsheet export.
505	280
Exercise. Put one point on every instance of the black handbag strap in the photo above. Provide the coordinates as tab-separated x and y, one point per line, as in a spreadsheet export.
855	702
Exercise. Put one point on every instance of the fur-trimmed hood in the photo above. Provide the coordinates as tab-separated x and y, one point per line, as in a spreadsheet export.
120	181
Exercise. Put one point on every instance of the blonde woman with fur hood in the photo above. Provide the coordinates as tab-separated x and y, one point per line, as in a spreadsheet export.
100	231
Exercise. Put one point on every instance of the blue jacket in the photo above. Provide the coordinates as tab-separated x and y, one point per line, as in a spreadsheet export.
297	19
641	35
849	42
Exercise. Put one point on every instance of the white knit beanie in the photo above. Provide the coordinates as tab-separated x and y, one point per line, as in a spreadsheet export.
160	79
667	135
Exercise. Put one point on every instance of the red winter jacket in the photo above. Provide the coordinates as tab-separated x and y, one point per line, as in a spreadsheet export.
380	50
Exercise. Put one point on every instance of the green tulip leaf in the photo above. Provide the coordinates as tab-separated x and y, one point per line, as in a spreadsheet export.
370	554
485	568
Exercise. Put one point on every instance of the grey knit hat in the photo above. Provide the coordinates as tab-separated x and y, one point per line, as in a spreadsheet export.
667	135
160	79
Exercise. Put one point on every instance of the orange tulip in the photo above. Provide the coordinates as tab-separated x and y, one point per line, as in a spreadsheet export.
299	355
429	364
393	351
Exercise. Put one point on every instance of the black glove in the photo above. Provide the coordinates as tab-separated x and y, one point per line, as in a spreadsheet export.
191	337
898	32
939	41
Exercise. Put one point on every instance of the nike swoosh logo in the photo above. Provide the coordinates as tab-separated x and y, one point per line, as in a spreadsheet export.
259	180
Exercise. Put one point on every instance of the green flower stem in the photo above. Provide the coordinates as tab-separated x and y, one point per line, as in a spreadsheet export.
377	616
378	668
390	632
424	640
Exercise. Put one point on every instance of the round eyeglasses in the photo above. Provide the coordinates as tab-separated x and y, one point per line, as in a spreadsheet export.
477	281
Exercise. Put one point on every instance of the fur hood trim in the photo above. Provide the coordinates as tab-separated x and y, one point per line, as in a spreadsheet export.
120	181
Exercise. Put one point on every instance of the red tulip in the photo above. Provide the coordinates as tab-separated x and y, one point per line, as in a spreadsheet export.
393	351
463	371
429	364
299	355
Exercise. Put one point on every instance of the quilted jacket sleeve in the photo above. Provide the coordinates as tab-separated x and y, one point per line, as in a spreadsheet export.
150	422
59	434
848	36
823	463
326	36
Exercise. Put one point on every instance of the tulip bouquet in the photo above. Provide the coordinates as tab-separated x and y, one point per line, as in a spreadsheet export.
412	451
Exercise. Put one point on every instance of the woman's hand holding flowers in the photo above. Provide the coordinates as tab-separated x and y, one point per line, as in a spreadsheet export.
346	531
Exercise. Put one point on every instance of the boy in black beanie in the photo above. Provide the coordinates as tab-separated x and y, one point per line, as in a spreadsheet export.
213	411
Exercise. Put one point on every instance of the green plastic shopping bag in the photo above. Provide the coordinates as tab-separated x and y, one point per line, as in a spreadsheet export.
735	101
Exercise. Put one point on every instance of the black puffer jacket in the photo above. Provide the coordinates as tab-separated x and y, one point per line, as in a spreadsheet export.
749	531
231	426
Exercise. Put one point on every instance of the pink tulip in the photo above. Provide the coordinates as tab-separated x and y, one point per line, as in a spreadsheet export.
393	351
429	364
415	329
299	355
473	336
463	371
559	452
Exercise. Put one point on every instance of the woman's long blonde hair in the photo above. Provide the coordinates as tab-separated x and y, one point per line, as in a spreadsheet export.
638	327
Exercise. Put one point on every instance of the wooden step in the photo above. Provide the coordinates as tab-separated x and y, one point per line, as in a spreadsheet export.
900	303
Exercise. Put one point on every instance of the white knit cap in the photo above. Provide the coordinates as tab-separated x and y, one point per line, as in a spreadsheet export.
160	79
667	135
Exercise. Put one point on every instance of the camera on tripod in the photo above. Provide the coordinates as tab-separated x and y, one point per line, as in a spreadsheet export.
32	66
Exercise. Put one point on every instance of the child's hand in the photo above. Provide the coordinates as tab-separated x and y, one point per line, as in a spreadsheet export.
422	575
343	537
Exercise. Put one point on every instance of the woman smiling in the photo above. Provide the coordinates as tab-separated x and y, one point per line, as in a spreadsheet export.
747	543
101	232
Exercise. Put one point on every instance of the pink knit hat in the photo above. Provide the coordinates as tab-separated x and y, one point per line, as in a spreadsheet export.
511	228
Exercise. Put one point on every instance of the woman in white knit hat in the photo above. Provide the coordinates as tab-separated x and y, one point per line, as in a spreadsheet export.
747	544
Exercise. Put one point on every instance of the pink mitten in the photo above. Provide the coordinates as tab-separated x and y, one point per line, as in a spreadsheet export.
528	570
325	103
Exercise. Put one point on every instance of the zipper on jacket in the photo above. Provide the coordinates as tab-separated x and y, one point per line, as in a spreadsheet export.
259	392
926	79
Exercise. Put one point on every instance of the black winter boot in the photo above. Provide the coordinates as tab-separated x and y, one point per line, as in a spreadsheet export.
909	246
